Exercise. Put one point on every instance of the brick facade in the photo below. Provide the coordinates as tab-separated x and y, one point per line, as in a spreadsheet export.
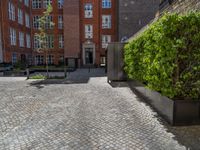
127	17
74	25
1	42
22	53
56	52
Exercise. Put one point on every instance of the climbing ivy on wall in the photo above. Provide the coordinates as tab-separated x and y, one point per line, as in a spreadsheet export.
166	57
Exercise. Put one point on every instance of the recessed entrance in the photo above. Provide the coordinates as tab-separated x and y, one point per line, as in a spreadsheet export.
89	56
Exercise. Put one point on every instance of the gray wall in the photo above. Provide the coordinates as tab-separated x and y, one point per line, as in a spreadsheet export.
135	14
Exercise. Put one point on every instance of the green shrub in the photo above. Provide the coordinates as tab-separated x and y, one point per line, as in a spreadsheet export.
38	76
166	57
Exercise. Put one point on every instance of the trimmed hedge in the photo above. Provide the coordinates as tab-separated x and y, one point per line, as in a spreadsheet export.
166	57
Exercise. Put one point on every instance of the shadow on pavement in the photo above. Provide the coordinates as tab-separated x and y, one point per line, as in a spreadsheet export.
80	76
188	136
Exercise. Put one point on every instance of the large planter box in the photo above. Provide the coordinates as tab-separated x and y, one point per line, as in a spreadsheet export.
175	112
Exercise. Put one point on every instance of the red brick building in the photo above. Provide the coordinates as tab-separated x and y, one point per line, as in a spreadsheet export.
15	17
88	26
80	34
55	36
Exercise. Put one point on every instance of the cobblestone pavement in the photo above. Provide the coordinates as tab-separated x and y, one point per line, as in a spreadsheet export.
83	114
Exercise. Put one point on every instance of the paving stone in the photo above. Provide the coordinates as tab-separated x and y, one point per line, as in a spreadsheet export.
83	113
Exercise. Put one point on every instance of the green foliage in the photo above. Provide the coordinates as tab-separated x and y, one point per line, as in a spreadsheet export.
166	57
20	65
43	31
37	77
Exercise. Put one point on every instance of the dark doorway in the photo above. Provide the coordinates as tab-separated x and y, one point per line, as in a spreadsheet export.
23	58
89	56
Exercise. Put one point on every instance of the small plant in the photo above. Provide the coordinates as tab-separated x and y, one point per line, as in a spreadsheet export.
38	76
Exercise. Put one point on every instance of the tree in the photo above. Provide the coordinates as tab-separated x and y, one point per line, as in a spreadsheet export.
42	36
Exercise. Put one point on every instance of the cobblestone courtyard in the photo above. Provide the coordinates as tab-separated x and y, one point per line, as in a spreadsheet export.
83	114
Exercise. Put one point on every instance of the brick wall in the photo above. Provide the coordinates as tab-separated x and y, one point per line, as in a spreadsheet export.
56	52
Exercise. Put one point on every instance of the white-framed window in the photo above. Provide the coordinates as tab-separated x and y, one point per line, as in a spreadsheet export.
36	4
61	41
106	21
50	41
88	31
50	59
36	23
48	23
60	4
20	16
60	22
39	60
106	4
26	3
12	36
88	10
21	39
11	11
105	40
37	44
14	58
28	40
27	20
29	59
46	3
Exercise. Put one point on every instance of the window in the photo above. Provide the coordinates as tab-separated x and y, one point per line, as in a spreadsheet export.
36	4
106	21
50	59
105	40
60	22
12	36
103	61
21	39
27	20
50	41
88	31
36	23
46	3
39	60
88	11
37	43
14	58
106	4
26	3
28	41
20	16
61	41
11	11
49	22
29	59
60	4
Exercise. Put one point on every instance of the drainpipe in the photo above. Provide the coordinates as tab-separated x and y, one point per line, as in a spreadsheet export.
2	31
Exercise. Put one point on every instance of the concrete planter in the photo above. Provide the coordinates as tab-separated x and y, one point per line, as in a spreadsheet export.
175	112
